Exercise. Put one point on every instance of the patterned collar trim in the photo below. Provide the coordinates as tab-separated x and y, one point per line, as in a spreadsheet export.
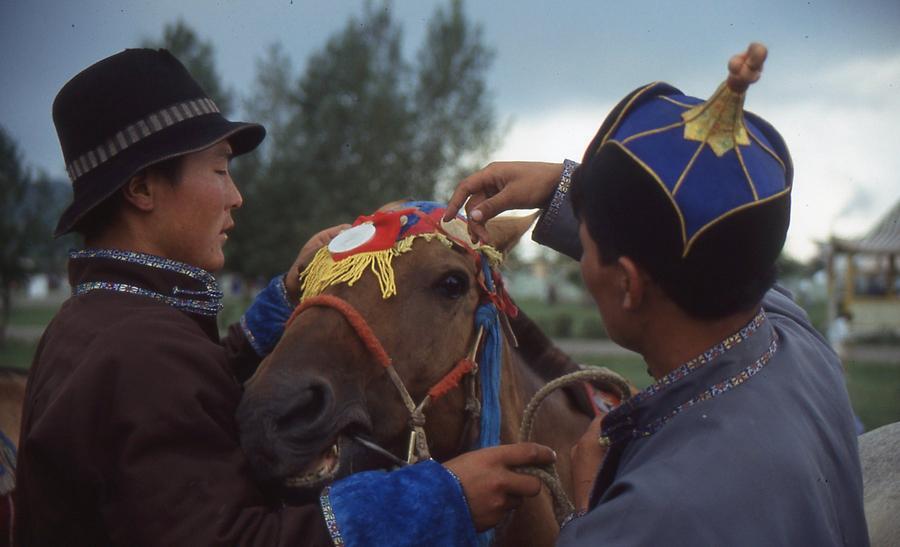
701	360
626	426
714	390
206	302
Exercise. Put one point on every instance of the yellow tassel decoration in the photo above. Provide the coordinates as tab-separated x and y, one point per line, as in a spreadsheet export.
324	272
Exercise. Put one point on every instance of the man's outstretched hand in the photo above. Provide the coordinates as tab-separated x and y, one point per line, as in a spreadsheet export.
491	486
502	186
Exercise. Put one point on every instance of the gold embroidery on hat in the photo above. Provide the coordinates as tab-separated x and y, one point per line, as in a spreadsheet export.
621	115
719	121
673	101
652	132
661	184
747	174
723	216
687	169
767	149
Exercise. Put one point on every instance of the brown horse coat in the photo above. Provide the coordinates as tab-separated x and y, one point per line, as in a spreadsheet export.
320	388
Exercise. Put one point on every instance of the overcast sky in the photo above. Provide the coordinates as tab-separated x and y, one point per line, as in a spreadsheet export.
831	84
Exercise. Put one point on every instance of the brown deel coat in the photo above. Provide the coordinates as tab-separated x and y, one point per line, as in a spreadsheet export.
128	434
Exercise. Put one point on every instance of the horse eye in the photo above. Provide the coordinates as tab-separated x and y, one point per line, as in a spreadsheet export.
452	285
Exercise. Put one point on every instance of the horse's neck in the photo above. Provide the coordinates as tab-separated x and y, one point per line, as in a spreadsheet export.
518	386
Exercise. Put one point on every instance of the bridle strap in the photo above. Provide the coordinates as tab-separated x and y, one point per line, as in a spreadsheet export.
418	444
357	321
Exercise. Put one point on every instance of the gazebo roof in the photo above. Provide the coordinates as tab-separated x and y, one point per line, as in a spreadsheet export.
883	238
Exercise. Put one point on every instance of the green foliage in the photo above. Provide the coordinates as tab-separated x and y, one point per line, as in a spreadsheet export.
197	56
789	268
17	353
567	320
360	127
874	392
25	227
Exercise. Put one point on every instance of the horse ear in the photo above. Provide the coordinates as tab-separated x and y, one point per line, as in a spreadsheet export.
505	231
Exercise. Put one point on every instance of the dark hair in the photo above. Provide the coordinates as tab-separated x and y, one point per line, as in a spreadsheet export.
96	220
626	214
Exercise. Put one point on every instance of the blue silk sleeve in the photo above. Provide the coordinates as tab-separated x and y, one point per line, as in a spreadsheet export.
263	322
422	504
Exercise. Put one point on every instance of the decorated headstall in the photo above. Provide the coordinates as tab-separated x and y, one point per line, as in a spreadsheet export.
371	245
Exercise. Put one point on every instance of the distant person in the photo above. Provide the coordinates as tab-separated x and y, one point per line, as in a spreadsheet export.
128	434
839	336
839	333
681	207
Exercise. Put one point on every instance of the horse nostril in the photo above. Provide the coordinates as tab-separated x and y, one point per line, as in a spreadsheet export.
308	406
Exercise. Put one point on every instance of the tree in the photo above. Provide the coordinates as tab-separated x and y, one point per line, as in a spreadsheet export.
360	127
23	225
198	57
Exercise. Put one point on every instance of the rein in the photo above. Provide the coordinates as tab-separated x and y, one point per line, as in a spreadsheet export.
418	442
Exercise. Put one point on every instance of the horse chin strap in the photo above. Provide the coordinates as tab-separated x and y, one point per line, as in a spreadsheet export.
418	442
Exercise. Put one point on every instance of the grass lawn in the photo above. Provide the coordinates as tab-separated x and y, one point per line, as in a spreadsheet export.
17	353
875	392
874	387
32	315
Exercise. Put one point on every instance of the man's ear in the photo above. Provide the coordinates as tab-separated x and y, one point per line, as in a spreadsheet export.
634	284
139	192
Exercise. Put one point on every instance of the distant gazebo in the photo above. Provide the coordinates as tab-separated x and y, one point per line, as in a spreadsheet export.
863	276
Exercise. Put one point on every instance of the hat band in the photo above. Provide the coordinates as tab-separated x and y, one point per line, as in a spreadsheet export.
136	132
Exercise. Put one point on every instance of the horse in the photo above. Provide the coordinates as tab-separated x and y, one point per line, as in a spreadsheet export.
879	454
12	397
320	407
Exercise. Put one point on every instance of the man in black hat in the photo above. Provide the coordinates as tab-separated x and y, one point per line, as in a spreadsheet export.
681	207
128	433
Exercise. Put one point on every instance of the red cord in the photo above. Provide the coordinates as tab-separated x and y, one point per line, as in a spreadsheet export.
353	317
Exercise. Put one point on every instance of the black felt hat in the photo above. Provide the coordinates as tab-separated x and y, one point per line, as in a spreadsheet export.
129	111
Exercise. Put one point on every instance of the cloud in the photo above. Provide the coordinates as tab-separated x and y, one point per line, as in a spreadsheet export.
841	126
846	149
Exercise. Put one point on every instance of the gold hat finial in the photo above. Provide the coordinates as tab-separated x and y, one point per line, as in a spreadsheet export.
719	122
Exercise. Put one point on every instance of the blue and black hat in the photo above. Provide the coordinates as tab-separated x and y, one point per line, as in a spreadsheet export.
696	191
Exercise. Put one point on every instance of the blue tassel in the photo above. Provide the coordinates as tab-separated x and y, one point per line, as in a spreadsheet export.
486	316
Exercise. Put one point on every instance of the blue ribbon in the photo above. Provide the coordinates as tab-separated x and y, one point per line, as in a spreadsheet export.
487	316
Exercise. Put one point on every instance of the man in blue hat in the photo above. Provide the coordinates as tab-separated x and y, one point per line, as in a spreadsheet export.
677	213
128	433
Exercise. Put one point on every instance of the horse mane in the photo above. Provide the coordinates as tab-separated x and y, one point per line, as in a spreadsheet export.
546	360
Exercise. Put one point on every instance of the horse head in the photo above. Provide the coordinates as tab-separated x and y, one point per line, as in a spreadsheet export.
402	289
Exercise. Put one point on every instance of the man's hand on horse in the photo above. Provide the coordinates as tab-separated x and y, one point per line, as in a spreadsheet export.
316	242
502	186
491	486
587	455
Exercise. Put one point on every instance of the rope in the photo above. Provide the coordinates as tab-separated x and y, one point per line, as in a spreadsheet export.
608	380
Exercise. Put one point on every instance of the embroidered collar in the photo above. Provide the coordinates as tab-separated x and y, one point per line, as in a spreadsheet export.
701	360
623	424
206	301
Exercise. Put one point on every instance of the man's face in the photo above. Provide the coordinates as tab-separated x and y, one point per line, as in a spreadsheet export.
195	212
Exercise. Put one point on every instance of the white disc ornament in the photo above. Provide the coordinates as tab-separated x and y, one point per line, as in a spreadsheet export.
352	238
